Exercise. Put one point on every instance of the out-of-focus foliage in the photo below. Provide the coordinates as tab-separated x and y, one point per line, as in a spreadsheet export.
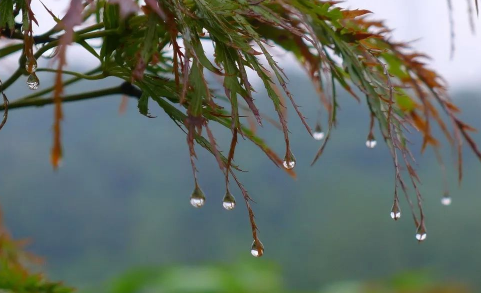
14	274
247	277
236	278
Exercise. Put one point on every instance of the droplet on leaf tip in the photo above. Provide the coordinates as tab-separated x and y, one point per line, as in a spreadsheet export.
197	199
33	82
289	161
395	215
446	200
318	134
257	251
371	143
421	233
396	211
229	201
421	237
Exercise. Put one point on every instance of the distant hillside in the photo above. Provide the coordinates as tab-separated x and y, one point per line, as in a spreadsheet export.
122	197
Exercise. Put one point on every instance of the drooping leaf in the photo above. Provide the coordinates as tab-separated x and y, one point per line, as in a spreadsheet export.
72	18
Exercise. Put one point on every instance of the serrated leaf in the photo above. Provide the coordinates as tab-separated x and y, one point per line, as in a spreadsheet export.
143	104
6	14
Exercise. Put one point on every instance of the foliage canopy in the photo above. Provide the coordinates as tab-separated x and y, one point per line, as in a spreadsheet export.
161	51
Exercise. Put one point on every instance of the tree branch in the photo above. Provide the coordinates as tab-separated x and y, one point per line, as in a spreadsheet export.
125	89
44	38
65	83
76	74
21	69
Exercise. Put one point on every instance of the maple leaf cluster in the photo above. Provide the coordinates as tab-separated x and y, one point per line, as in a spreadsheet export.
159	51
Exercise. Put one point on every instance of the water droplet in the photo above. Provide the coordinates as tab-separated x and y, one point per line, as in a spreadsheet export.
318	134
289	161
33	82
30	65
395	215
229	201
371	141
421	233
446	200
257	251
395	211
197	199
371	144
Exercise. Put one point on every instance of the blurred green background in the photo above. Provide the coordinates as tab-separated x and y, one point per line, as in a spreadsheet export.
120	202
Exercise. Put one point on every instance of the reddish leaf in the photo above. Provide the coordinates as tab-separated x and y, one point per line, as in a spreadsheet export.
354	13
154	5
72	18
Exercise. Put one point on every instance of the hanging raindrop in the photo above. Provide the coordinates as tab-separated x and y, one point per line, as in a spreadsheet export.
30	65
371	141
421	233
197	199
318	134
396	211
33	82
229	201
257	251
446	200
289	161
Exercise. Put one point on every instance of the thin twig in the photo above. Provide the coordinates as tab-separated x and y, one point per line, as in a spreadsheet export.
122	89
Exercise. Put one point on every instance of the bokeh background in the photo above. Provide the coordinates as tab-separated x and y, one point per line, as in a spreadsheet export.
116	216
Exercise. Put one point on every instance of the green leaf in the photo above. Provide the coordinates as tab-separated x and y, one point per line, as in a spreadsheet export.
405	103
6	14
200	90
111	21
151	38
144	104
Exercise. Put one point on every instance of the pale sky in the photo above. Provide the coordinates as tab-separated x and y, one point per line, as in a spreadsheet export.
425	21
